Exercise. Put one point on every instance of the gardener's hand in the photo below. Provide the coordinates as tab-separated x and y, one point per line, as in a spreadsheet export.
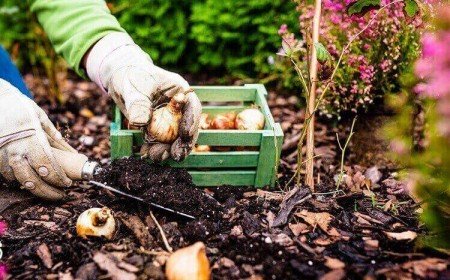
127	73
26	138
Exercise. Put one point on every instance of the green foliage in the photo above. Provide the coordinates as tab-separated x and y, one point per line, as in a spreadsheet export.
239	36
411	7
426	159
160	27
232	37
322	53
361	6
23	37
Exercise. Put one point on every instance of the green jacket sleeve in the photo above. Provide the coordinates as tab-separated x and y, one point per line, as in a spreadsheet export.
73	26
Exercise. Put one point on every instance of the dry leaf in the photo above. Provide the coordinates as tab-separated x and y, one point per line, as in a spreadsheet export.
323	241
270	217
322	219
44	253
107	263
406	235
298	228
335	274
333	263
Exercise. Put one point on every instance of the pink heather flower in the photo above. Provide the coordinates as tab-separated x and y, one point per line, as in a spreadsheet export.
283	29
3	228
3	271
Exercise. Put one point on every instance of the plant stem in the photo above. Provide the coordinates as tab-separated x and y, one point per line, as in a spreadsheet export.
312	96
343	149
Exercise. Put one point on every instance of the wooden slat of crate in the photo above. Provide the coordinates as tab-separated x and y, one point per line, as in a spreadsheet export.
223	177
229	138
219	160
225	94
269	157
214	110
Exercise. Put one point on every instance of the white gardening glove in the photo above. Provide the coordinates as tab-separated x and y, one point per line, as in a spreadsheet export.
26	138
127	73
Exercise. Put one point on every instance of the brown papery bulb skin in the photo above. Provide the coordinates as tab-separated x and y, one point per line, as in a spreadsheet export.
165	121
223	121
205	122
97	222
189	263
202	148
250	119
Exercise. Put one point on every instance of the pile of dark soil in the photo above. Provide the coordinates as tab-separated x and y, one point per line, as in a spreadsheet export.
163	185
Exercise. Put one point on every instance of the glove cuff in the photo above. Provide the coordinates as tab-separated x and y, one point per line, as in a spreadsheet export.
100	53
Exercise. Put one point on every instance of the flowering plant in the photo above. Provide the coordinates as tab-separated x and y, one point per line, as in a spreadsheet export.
428	159
374	61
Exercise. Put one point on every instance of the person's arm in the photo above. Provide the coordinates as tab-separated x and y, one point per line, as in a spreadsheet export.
88	36
75	26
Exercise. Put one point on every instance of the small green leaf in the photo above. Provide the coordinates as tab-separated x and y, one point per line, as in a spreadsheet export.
411	7
322	53
362	6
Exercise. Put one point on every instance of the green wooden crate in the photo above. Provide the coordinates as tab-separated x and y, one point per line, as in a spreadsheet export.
237	168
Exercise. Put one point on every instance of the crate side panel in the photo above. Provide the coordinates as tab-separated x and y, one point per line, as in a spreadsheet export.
121	144
225	177
262	103
268	159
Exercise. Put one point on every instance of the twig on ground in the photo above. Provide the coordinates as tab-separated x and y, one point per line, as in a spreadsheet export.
163	235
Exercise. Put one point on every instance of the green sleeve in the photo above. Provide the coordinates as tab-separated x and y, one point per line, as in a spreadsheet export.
73	26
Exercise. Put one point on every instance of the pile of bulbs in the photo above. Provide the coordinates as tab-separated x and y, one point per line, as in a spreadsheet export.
248	119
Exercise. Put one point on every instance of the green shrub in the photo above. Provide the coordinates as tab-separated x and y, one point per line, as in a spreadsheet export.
30	48
160	27
239	36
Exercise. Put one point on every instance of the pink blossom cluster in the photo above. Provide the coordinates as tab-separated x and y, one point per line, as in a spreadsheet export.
433	68
3	270
3	228
374	61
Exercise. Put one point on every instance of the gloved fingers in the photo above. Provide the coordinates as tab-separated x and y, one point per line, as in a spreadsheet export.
133	88
54	137
31	181
48	169
169	84
192	111
157	152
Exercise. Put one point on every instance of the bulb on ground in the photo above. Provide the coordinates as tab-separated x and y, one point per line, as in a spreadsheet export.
250	119
97	222
189	263
165	121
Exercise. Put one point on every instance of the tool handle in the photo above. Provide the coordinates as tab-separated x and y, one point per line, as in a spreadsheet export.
71	163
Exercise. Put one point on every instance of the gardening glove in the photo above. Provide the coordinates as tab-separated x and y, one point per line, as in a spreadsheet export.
127	73
26	138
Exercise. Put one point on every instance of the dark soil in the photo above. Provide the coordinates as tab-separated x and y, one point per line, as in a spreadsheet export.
163	185
349	241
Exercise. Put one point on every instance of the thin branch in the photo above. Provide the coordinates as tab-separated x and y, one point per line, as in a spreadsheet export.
163	235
